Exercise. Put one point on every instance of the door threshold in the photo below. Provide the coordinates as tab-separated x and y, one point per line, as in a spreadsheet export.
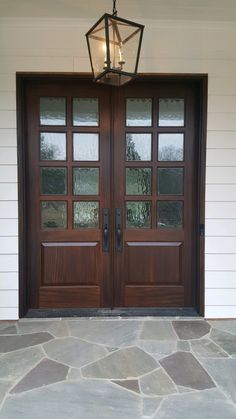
117	312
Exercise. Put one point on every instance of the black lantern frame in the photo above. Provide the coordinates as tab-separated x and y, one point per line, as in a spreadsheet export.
114	72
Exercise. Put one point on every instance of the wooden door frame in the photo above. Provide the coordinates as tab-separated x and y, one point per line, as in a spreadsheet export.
201	83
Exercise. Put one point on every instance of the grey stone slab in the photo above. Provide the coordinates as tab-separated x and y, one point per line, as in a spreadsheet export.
73	351
205	348
109	333
191	329
122	364
226	340
185	370
195	405
57	328
223	372
85	399
157	383
158	330
46	372
182	389
183	345
225	325
13	343
132	385
150	405
74	374
16	364
157	347
8	328
4	387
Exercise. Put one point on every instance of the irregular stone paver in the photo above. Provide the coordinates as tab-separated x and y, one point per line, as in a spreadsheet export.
57	328
195	405
150	405
17	364
183	345
156	347
73	352
182	389
205	348
157	384
121	364
85	399
110	332
8	329
225	325
191	329
226	340
158	330
13	343
223	372
74	374
186	371
46	372
129	384
4	387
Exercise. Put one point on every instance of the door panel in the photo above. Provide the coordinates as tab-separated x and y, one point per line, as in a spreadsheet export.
111	194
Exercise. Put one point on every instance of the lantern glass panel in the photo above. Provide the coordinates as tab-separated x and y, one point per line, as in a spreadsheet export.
98	49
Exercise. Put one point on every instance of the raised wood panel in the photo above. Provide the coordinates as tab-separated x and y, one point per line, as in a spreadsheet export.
8	209
217	227
155	263
8	227
222	158
220	279
221	139
8	173
220	245
151	296
7	119
69	297
220	297
8	155
8	137
8	280
8	192
221	193
220	210
220	262
70	263
217	175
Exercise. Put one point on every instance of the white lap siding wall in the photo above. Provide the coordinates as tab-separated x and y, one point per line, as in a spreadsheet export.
169	47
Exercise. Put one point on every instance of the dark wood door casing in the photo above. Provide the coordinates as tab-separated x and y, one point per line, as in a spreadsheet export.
113	273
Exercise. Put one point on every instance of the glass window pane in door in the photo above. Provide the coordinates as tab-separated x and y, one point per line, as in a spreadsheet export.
53	181
171	112
138	214
85	112
86	214
53	214
52	146
139	112
170	181
86	181
86	147
52	111
171	147
138	181
170	214
138	147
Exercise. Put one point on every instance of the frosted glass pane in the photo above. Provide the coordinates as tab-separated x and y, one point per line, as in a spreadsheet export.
85	112
171	147
53	181
86	181
171	112
138	214
86	214
86	147
170	181
53	214
139	147
52	146
52	111
138	181
139	112
170	214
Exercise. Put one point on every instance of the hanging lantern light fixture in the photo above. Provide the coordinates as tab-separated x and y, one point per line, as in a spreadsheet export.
114	47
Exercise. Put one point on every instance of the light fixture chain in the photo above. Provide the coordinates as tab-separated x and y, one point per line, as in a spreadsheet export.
114	8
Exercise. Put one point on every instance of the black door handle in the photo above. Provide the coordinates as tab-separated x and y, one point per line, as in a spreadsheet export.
105	235
118	230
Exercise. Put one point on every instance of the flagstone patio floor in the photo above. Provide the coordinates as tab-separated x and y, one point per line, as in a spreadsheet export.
139	368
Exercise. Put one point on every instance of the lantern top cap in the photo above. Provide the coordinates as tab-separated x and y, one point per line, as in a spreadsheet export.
107	16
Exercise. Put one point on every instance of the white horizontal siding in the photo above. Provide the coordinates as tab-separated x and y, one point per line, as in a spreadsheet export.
8	280
180	47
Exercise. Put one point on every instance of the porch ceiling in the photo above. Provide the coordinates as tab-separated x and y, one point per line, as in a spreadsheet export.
208	10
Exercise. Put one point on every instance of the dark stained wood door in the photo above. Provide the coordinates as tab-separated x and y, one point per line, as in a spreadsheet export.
111	194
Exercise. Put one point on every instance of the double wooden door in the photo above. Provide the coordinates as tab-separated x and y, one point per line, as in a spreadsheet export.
111	194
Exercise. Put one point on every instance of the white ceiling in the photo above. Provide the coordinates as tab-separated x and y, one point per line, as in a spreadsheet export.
208	10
